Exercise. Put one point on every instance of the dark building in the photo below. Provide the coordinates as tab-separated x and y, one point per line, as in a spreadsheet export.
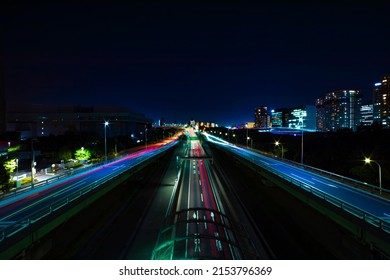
3	106
262	119
3	109
35	120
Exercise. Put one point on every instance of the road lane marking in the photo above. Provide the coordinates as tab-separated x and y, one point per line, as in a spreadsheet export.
42	200
263	162
387	216
117	167
303	179
323	182
60	192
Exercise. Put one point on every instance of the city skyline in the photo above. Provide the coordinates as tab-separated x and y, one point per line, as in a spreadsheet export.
212	62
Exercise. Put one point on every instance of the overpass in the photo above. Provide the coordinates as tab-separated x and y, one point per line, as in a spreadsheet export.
332	195
200	222
29	216
361	209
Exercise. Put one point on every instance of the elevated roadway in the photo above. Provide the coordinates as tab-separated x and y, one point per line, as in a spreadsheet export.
27	217
364	214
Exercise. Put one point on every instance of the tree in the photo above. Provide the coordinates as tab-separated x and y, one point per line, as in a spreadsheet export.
5	176
65	153
10	165
82	154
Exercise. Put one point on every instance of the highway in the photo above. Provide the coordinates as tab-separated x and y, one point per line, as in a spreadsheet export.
18	212
202	227
207	231
374	209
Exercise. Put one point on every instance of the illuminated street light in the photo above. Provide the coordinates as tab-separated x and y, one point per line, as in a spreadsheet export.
247	138
33	163
368	160
105	141
301	121
277	143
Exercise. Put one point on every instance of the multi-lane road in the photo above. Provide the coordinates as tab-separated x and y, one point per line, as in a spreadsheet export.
20	211
206	231
201	227
374	209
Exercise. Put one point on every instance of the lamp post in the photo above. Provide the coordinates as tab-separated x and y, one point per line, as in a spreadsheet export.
247	138
368	160
146	137
105	141
301	120
277	143
302	147
32	163
17	169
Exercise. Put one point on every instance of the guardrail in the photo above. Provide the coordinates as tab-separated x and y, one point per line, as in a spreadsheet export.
57	177
11	229
352	182
352	209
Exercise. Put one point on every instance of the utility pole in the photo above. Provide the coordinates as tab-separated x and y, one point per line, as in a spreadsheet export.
32	163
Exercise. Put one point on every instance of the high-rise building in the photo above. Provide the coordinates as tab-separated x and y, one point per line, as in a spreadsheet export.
279	117
303	117
339	109
297	117
366	114
320	114
381	113
262	119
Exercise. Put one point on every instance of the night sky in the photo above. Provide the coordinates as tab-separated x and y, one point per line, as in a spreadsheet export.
206	62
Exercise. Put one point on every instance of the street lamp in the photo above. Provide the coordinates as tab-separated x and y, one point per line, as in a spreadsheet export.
277	143
247	138
17	168
33	163
146	137
368	160
302	147
301	121
105	141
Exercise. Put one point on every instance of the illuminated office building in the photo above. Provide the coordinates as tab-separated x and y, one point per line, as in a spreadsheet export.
279	117
338	110
297	118
366	114
381	113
